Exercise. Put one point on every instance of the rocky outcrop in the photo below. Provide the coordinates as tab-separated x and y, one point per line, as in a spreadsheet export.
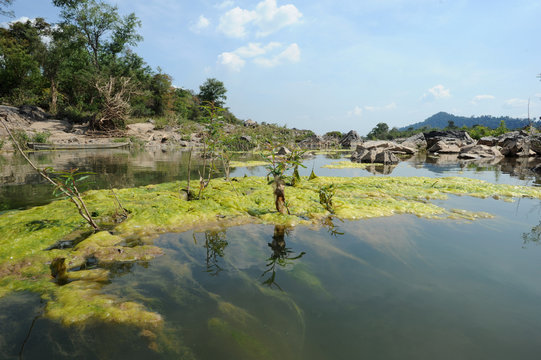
488	141
453	137
350	140
374	155
479	152
417	142
317	142
386	145
445	147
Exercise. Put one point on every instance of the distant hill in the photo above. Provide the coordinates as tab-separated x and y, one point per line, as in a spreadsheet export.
441	120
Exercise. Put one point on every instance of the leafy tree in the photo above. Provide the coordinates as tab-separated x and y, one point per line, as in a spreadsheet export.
21	57
213	91
381	131
106	33
3	5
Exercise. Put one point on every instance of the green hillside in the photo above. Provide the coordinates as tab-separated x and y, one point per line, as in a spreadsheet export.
442	119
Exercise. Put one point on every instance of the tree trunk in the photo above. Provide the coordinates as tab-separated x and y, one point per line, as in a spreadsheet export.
54	97
279	195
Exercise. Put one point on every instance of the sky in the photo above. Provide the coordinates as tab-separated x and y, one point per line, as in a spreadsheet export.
344	65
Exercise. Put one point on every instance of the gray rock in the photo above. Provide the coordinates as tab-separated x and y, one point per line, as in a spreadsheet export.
488	140
283	151
375	155
445	147
416	141
479	152
387	145
458	137
350	139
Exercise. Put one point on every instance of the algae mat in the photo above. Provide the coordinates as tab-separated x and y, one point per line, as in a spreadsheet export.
33	238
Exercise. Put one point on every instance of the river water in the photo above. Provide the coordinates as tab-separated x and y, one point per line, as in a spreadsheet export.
398	287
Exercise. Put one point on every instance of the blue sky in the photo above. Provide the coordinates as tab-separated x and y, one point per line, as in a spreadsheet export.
341	65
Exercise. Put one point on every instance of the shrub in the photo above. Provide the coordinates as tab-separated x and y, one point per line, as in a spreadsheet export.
41	137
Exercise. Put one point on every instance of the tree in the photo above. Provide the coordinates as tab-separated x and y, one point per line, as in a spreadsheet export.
106	33
381	131
213	91
4	4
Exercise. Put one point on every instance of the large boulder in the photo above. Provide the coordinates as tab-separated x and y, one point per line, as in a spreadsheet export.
445	147
350	139
488	140
479	152
375	155
515	143
386	145
457	137
416	141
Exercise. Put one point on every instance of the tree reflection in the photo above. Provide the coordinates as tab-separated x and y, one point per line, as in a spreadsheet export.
534	236
332	228
215	244
281	255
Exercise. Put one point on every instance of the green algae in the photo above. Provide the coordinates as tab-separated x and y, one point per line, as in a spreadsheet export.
345	165
154	209
248	163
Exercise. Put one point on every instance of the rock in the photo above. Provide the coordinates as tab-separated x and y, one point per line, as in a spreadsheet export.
416	141
479	152
375	155
457	137
33	112
537	169
250	123
350	139
488	140
514	144
443	147
387	145
283	151
246	138
535	143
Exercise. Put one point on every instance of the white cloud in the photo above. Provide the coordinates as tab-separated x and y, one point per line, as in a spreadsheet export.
357	112
22	19
202	23
233	23
255	49
231	60
291	54
267	18
271	18
435	93
478	98
236	59
515	103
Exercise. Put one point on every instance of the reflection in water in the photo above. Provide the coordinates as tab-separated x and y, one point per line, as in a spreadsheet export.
281	255
331	227
380	169
215	244
534	236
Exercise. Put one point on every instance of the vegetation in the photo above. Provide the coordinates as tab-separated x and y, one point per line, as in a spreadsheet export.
442	119
87	70
65	183
278	164
382	132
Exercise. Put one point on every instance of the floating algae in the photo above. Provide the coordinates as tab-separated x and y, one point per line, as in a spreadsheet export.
251	163
29	237
345	165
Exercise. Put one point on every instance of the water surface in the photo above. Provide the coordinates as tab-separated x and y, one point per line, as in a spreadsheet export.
399	287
